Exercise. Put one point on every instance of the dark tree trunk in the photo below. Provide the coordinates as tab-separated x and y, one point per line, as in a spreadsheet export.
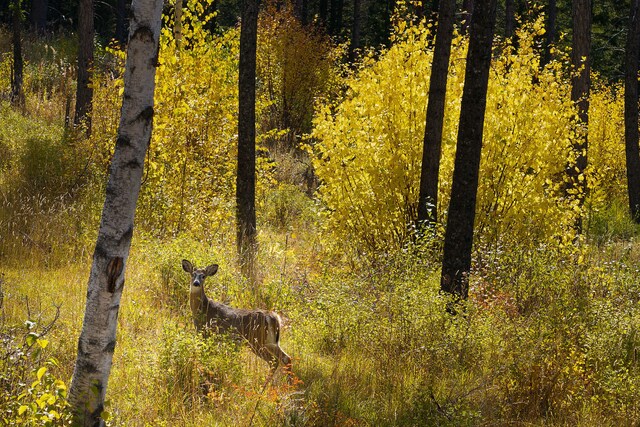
335	25
428	201
121	21
323	12
84	92
17	73
551	32
177	23
246	178
39	16
458	242
355	30
467	15
631	135
305	12
580	83
509	19
300	10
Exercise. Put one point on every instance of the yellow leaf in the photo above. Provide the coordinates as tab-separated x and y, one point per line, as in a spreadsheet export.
40	373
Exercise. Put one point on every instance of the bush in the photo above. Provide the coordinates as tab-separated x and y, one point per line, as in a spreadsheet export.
368	151
196	371
32	395
43	181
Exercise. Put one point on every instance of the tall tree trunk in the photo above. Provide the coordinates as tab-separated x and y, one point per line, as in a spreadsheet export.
458	242
509	19
551	31
38	15
17	74
246	177
300	11
631	135
355	30
428	200
177	24
121	21
323	13
84	92
106	280
335	25
580	84
467	15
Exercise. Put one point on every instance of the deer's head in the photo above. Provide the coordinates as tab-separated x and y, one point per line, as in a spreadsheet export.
198	274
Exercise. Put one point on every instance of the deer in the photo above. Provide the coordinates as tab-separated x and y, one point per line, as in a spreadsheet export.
260	329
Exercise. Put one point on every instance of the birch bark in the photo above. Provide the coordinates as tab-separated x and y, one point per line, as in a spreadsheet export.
106	280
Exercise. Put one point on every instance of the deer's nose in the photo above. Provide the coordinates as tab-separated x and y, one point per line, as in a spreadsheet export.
196	283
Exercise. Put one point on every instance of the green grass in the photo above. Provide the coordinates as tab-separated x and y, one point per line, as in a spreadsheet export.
552	339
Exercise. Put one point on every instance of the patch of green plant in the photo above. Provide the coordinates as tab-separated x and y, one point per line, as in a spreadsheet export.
32	393
611	223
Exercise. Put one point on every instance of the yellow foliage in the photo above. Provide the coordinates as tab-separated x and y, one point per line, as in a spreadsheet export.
370	144
295	65
607	169
189	178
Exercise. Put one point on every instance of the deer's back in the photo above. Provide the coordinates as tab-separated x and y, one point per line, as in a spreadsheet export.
258	327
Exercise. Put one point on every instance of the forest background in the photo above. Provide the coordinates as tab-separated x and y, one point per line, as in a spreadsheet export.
550	333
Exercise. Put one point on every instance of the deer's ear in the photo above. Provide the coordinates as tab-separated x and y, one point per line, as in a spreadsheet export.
211	270
186	266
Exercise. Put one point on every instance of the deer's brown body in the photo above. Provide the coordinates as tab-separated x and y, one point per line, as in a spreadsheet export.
259	328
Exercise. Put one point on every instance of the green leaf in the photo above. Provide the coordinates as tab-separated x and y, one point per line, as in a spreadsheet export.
31	339
105	415
22	409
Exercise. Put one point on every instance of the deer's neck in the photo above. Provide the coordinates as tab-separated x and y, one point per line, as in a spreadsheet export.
198	302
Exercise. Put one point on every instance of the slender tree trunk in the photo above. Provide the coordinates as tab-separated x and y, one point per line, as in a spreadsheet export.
323	13
300	11
551	32
336	17
177	25
246	178
631	134
509	19
580	83
84	92
38	16
106	280
17	73
121	21
355	30
467	15
428	200
458	242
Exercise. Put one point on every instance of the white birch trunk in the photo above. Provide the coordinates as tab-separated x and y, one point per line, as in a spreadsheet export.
106	281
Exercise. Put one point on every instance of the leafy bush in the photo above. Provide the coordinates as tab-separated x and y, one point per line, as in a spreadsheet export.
43	179
31	395
197	370
296	65
369	145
